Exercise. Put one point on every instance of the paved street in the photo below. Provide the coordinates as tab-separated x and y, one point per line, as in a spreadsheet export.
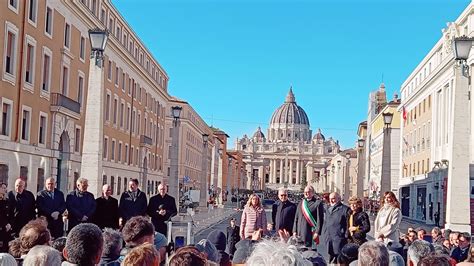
223	223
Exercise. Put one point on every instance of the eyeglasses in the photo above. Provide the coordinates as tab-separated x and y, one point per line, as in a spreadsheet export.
286	195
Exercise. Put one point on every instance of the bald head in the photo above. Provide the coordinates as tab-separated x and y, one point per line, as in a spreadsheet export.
334	198
162	189
19	186
308	192
106	190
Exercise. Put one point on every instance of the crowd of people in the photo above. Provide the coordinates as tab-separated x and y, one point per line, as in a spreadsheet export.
27	221
344	231
51	229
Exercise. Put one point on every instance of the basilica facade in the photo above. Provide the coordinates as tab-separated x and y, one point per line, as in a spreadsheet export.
290	155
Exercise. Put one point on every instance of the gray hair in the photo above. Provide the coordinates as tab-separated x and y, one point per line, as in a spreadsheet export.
282	190
113	242
373	253
81	180
310	188
7	260
206	247
42	255
268	252
418	250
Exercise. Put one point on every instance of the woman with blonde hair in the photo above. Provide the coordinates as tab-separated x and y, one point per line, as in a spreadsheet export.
358	224
253	217
388	219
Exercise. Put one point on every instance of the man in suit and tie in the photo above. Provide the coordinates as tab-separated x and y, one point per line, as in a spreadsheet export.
50	203
22	206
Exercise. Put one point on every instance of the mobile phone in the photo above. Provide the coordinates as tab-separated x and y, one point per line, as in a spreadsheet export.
178	242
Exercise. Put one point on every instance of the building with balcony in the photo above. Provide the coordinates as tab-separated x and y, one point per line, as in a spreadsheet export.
44	86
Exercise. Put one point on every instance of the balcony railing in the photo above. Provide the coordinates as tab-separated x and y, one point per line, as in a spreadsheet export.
60	100
145	140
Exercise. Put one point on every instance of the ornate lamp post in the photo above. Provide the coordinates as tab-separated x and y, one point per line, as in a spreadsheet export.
347	189
204	187
91	164
385	182
174	149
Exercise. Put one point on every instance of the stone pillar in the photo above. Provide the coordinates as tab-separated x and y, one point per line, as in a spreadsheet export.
298	172
458	197
309	174
91	164
281	171
286	170
273	171
290	175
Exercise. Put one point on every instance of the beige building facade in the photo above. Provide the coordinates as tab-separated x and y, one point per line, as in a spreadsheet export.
43	92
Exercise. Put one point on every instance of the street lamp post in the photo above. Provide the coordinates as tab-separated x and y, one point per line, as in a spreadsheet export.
346	193
360	168
174	149
91	160
385	182
458	186
203	187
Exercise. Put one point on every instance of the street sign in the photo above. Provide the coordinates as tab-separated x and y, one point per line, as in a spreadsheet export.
186	179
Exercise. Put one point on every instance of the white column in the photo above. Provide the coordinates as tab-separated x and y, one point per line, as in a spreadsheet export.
298	170
281	171
273	171
290	176
91	164
286	170
458	199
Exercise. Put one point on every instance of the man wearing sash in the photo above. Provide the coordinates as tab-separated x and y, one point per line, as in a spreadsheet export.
309	218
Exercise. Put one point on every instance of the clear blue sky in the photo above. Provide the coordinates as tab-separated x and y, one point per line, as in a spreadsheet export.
234	61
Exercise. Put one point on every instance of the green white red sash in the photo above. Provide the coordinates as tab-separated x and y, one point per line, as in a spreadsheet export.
308	216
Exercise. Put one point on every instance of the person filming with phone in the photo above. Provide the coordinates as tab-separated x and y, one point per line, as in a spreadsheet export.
161	208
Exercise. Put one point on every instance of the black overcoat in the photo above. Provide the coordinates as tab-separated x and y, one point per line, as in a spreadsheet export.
129	207
233	236
167	203
47	205
79	204
106	213
283	215
22	209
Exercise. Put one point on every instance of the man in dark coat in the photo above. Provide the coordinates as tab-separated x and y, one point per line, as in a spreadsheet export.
22	206
335	226
80	204
233	236
106	213
50	203
161	208
301	227
283	212
133	202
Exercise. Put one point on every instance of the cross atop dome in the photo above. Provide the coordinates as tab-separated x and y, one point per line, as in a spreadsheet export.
290	98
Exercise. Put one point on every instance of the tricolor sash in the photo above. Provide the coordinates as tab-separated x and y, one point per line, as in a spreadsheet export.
309	217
